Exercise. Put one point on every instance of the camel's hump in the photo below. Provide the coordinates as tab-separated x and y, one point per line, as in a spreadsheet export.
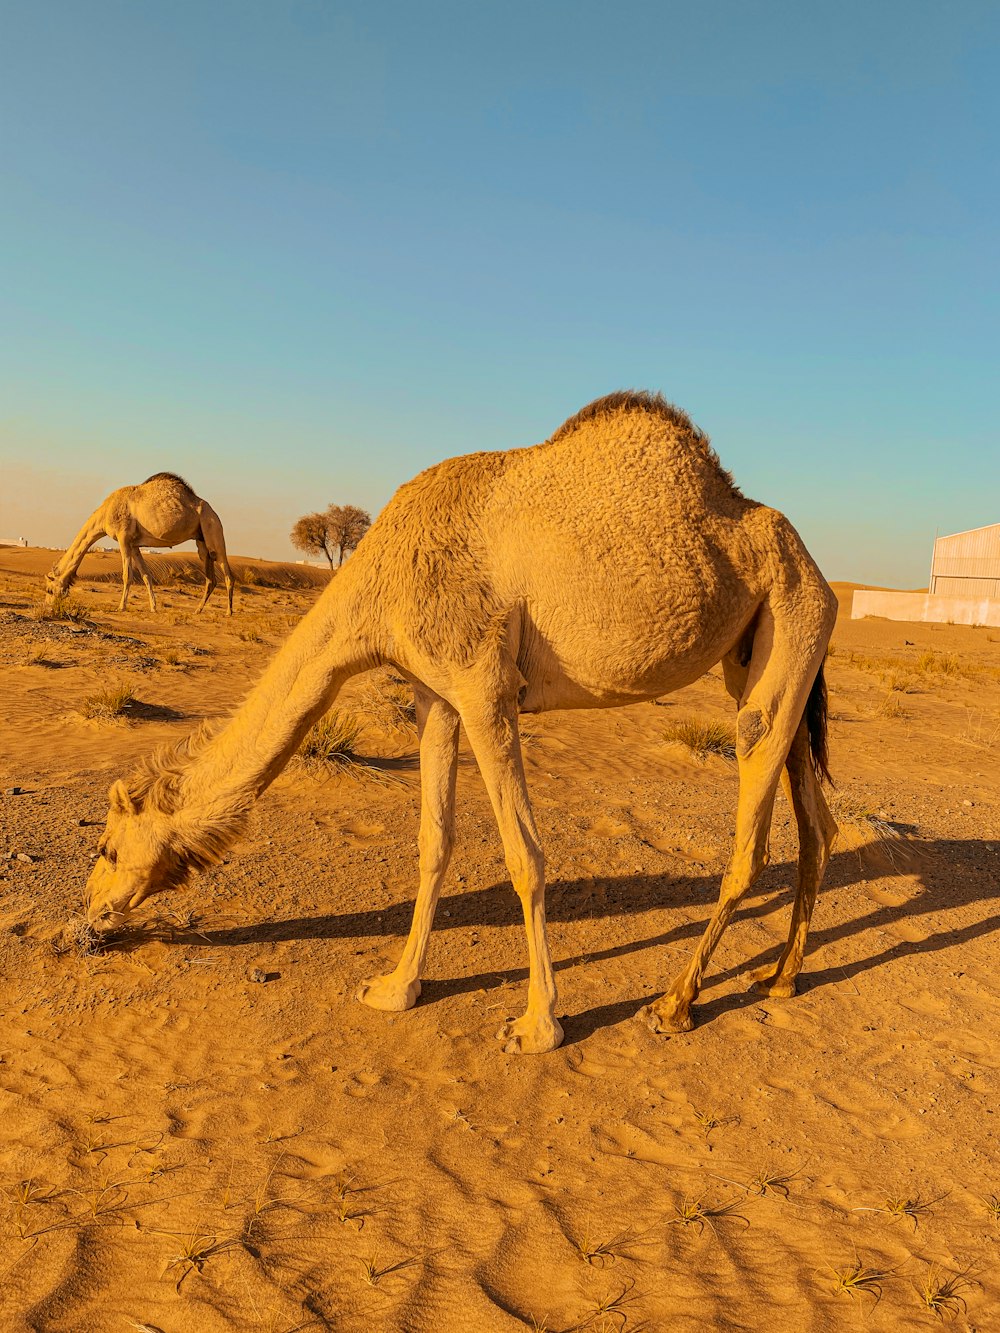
169	476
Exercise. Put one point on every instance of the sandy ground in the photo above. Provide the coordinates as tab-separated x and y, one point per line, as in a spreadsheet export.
203	1130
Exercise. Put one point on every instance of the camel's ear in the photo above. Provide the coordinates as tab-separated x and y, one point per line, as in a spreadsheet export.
121	801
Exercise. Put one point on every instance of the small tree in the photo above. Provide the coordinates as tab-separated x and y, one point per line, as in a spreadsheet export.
345	526
312	535
339	528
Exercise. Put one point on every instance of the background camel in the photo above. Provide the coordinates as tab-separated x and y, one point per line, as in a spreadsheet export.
611	564
162	511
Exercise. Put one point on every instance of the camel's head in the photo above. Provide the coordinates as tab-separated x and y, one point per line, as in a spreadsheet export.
55	584
139	856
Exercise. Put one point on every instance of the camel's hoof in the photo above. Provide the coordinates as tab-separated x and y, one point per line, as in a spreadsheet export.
773	986
530	1038
388	994
666	1018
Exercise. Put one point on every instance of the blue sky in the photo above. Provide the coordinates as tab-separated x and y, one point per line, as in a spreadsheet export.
299	250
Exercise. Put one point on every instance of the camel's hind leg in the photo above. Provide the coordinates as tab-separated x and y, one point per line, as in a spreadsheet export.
781	672
208	565
817	830
145	575
215	542
437	723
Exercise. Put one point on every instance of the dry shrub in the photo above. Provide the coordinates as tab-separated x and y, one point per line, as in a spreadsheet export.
981	730
704	736
861	824
331	740
110	704
942	664
61	608
891	706
899	682
390	701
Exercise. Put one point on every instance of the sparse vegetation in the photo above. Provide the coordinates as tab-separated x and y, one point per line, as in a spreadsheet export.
898	1206
390	699
942	1292
699	1214
859	821
890	706
111	704
61	608
331	740
704	737
858	1280
603	1253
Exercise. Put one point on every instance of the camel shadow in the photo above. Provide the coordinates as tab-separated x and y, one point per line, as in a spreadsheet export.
947	874
144	712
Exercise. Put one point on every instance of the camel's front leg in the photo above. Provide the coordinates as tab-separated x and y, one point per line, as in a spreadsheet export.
493	734
146	577
437	723
126	555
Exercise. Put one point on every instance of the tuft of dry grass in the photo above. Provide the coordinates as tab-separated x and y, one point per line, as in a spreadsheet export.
195	1249
604	1253
390	700
80	937
61	608
891	706
697	1213
900	682
374	1273
898	1206
858	1280
610	1310
766	1180
941	1292
330	741
111	704
980	730
704	737
859	822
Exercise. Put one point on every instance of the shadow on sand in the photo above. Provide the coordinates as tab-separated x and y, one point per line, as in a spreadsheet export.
941	876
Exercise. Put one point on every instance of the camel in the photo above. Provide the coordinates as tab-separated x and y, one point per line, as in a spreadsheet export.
161	511
611	564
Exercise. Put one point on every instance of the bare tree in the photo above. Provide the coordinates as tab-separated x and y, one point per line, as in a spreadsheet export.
345	526
312	534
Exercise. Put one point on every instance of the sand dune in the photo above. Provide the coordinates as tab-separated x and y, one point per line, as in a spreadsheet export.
204	1131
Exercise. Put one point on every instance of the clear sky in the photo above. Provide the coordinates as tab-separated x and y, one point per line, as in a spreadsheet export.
299	250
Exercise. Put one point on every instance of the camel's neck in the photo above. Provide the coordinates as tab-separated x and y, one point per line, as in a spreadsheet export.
70	562
300	684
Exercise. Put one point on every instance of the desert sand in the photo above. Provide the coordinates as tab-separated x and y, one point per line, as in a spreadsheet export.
203	1130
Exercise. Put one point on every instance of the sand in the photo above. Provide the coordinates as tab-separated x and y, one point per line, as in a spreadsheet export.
203	1130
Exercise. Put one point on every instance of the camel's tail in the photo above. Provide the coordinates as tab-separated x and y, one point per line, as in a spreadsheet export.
816	721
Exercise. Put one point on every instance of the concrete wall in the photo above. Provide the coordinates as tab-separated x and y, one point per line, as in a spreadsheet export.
917	606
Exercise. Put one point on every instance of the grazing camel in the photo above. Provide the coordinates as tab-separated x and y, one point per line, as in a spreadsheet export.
611	564
162	511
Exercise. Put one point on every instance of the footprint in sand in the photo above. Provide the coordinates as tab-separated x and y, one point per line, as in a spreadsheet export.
360	831
604	827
